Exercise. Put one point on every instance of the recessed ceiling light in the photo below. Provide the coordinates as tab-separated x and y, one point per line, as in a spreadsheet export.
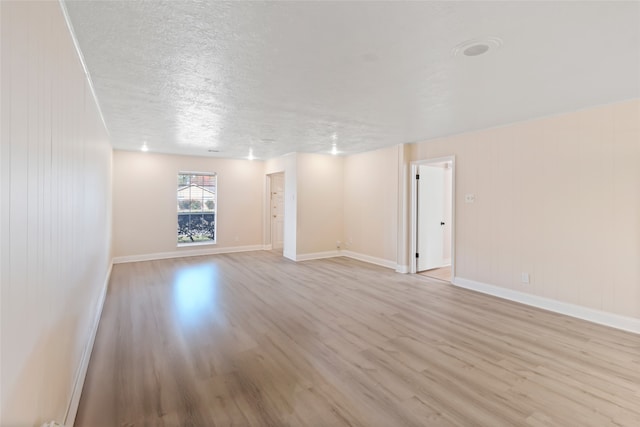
250	157
144	147
477	47
334	150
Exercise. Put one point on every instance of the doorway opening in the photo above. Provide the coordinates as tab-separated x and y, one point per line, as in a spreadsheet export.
432	242
276	211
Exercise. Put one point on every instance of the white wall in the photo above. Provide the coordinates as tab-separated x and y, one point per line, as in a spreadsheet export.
144	203
371	202
313	203
557	198
55	219
320	211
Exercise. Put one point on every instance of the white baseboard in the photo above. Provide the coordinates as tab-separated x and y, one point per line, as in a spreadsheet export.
630	324
349	254
404	269
317	255
81	374
289	255
370	259
186	253
267	247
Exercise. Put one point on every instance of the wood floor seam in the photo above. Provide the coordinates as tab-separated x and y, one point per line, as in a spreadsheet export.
251	339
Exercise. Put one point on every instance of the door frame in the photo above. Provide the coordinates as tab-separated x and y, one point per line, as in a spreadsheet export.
414	208
267	231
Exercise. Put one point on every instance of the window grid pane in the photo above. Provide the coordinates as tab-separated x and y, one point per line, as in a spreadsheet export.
196	208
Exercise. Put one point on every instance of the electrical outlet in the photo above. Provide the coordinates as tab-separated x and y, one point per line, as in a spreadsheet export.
525	278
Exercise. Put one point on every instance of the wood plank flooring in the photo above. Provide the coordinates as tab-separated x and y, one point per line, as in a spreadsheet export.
253	339
442	273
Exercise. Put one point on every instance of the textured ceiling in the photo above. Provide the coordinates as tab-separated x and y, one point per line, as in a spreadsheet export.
187	77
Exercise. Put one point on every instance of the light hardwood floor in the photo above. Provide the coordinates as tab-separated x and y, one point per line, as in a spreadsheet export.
252	339
442	273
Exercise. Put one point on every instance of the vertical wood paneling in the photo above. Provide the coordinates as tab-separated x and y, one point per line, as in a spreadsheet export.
55	216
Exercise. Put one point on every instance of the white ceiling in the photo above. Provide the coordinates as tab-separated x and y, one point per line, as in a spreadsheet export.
191	76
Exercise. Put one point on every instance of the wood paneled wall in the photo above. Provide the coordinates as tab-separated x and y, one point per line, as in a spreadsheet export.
55	218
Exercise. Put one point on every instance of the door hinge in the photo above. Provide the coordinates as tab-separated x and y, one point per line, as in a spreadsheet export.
417	255
417	176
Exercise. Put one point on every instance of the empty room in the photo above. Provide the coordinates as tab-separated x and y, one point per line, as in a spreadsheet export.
319	213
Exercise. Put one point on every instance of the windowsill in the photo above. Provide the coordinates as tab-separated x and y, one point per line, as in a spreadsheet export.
187	245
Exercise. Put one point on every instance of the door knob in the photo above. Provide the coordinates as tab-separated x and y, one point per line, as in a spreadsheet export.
441	223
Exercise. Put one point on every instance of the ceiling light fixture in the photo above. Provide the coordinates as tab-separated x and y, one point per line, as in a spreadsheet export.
144	147
334	150
477	47
250	157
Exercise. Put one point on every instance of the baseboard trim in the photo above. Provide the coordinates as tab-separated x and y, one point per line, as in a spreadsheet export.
403	269
625	323
267	247
74	403
370	259
289	255
318	255
186	253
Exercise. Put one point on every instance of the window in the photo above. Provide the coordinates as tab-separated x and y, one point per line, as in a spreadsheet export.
197	197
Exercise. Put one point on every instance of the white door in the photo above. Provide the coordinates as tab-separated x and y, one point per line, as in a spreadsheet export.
430	217
277	211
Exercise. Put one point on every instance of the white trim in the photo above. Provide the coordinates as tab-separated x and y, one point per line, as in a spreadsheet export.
289	255
348	254
370	259
78	384
403	269
630	324
267	247
181	172
192	244
76	45
185	253
318	255
414	220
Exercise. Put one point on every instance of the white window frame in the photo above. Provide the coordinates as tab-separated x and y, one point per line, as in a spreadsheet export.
215	211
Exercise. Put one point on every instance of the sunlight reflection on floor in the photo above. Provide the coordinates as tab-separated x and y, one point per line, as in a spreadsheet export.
195	291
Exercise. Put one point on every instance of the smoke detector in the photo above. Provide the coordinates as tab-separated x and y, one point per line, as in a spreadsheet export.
477	47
